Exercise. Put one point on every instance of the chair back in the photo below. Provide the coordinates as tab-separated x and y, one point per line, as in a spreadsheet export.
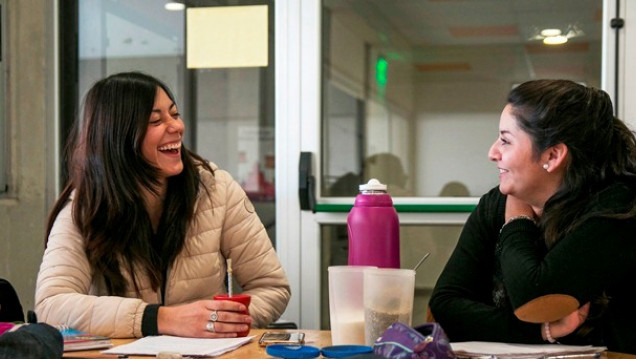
10	307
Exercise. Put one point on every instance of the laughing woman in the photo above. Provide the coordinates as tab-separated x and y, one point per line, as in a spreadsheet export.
137	242
550	254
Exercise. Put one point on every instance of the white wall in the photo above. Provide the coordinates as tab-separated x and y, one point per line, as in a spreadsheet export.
456	124
453	147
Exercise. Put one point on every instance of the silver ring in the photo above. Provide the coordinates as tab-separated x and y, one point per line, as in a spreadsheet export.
214	316
209	326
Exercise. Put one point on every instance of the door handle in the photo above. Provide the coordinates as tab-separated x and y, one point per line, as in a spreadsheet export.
306	182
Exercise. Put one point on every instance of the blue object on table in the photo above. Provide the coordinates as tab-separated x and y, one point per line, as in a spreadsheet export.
292	351
345	351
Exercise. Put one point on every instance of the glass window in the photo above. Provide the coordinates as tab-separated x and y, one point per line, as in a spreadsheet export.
4	143
228	112
136	35
413	90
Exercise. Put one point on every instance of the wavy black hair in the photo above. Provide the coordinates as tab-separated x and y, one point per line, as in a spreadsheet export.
107	173
601	148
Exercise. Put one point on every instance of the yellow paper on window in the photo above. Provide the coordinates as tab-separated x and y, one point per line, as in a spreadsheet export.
227	36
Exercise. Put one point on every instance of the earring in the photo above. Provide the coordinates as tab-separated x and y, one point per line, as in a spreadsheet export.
545	166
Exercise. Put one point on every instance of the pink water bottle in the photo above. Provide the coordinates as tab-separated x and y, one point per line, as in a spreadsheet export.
374	229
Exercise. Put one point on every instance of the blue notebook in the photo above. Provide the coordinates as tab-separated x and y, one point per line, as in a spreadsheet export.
78	340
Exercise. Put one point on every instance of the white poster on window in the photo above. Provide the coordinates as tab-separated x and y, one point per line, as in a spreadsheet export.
256	161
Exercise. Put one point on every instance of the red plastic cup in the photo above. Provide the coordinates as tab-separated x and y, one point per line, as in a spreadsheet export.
244	299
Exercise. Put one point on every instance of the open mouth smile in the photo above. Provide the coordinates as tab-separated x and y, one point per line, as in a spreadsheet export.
172	148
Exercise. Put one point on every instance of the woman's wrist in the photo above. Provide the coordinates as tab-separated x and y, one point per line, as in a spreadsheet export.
163	320
521	217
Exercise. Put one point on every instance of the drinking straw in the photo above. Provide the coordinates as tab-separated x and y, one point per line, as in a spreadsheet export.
421	261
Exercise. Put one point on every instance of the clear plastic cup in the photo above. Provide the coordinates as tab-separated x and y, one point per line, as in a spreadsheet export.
388	298
346	311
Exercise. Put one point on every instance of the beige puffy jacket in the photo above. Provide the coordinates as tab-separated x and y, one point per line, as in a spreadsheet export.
225	226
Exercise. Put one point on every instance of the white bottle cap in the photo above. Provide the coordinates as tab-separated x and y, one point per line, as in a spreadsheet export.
372	185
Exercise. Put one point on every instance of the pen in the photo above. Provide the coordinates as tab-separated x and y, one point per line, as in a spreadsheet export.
229	277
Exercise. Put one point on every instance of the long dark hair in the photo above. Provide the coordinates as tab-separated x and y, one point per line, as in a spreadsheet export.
601	148
106	174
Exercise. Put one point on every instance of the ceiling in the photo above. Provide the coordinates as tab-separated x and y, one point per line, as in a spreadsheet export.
481	38
475	22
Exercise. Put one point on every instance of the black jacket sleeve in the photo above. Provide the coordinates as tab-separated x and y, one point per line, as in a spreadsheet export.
595	262
591	258
462	301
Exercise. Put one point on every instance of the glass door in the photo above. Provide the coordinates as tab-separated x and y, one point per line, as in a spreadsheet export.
217	56
227	102
410	92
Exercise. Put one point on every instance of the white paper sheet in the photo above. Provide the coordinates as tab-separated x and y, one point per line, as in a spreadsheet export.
185	346
506	350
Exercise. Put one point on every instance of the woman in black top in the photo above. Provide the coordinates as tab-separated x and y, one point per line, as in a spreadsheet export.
550	254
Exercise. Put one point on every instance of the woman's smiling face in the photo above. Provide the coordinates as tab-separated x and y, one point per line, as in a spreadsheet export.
161	146
520	173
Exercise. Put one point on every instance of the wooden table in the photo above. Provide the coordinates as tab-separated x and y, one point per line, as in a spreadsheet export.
316	338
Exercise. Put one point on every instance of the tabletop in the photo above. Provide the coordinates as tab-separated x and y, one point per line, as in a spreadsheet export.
317	338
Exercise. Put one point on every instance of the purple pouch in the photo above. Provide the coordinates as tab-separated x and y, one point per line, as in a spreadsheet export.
425	341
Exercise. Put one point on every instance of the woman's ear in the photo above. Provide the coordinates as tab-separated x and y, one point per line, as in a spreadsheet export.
555	156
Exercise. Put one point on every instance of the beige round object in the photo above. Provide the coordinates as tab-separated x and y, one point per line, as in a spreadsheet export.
547	308
169	355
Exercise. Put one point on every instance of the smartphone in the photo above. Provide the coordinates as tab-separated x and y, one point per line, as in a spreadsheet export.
281	338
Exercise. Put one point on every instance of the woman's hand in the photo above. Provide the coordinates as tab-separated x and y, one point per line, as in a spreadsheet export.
516	207
197	319
569	324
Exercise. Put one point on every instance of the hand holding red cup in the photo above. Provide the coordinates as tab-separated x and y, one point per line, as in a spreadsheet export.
244	299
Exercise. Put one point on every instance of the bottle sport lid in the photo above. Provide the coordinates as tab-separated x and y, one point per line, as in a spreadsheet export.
345	351
373	185
292	351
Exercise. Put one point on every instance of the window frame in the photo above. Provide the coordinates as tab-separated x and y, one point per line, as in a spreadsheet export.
4	138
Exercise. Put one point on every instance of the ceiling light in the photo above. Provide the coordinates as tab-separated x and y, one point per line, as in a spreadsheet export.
555	40
174	6
550	32
554	36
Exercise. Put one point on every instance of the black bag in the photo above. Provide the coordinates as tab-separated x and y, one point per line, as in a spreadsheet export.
10	307
32	341
29	341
